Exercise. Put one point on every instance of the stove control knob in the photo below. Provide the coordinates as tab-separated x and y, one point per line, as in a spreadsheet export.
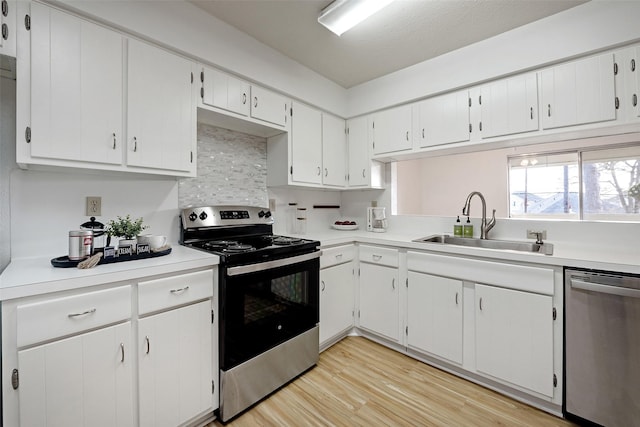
203	216
193	216
261	214
267	214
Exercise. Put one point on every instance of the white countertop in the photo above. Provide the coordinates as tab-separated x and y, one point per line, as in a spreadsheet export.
33	276
564	254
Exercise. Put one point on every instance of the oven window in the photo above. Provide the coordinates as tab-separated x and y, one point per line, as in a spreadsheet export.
263	309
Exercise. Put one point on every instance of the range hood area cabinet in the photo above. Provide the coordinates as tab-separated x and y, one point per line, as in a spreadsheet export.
70	92
8	28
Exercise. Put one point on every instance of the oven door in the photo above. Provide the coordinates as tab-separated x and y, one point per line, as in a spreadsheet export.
265	304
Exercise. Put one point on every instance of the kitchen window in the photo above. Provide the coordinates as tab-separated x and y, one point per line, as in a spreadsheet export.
599	183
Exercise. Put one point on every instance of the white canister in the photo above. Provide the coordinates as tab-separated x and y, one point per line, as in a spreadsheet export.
80	244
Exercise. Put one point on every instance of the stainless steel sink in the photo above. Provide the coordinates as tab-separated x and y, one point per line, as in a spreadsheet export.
445	239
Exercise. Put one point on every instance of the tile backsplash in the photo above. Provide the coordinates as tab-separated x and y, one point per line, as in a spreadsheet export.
232	170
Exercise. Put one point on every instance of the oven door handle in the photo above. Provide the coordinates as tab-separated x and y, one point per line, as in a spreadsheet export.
261	266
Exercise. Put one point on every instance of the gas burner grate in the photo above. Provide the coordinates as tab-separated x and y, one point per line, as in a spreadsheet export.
283	241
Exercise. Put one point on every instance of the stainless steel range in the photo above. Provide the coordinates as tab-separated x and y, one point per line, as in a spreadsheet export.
268	300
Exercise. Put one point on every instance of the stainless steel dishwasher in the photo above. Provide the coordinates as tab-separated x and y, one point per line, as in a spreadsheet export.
602	347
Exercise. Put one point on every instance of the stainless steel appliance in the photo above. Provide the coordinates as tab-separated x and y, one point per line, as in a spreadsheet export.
602	347
268	300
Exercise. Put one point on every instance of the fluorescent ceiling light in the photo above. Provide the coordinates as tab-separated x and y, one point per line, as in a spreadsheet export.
342	15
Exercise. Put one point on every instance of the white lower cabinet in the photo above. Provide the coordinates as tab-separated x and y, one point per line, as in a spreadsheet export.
379	292
514	337
434	315
175	365
337	296
85	380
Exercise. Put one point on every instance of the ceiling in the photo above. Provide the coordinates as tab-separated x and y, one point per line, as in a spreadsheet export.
404	33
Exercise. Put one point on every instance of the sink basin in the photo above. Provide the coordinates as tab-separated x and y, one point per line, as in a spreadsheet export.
445	239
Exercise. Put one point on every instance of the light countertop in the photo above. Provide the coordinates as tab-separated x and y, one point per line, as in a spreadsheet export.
564	254
33	276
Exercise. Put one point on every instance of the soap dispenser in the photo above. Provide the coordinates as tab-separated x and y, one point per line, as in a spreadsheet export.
467	229
457	227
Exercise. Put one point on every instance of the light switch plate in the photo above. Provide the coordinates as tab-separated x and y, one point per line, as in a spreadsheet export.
94	206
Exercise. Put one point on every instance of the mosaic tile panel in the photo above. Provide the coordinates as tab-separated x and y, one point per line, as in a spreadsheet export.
232	169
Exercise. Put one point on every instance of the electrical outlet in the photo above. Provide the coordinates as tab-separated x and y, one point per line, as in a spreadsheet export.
272	205
94	206
532	234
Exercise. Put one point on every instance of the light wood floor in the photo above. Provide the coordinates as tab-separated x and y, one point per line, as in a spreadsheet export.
361	383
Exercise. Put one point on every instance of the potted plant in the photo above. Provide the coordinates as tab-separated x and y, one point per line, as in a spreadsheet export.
125	228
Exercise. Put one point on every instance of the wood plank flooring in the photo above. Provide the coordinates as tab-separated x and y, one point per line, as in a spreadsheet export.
361	383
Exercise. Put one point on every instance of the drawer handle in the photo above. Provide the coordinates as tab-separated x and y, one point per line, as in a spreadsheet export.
481	304
456	298
377	257
148	341
393	284
177	291
323	286
122	350
339	256
84	313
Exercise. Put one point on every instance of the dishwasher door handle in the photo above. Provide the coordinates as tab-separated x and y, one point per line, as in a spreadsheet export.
605	289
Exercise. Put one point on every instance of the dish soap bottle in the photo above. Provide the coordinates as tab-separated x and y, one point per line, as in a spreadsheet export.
457	227
467	229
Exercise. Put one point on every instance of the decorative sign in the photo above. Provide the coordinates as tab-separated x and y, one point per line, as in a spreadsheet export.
109	252
125	250
144	248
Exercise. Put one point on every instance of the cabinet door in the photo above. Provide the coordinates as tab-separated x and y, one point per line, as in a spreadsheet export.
8	28
84	380
268	106
434	315
578	92
443	119
224	91
509	106
392	130
76	88
359	157
336	300
632	67
175	365
379	300
161	110
306	144
334	151
514	337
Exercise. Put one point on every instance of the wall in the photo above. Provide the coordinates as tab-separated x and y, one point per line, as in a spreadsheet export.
7	163
592	26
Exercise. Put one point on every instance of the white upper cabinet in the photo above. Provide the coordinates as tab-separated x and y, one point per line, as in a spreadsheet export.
361	170
443	119
8	28
509	106
578	92
627	82
161	115
76	88
306	144
334	151
392	130
268	106
224	91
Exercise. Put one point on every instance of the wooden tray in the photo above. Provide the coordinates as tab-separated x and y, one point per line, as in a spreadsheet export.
65	262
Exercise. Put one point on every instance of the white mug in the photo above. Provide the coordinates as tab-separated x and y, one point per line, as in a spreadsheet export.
153	241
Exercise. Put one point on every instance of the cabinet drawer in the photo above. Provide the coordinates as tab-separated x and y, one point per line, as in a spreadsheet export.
59	317
160	294
335	256
381	256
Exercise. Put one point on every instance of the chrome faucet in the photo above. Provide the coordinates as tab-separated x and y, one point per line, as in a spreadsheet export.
484	225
